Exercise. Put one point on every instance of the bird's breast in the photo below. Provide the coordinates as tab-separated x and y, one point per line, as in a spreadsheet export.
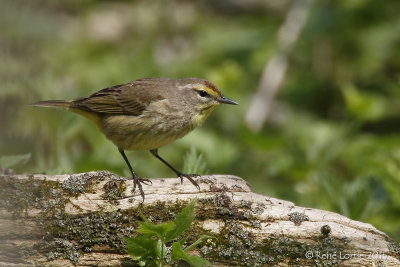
145	132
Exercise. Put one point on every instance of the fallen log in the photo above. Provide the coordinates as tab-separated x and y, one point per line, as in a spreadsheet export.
81	219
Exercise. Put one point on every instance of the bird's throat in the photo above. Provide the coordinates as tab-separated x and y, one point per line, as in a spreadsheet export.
200	117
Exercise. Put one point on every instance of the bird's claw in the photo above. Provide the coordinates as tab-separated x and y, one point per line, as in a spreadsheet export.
190	178
139	181
145	181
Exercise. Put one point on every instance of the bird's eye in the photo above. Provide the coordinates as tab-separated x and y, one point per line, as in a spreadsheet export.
202	93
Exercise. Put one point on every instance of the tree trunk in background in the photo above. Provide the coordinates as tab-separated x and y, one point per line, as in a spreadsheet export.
81	219
262	103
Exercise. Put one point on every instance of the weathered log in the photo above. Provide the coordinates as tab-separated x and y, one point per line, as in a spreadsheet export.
81	219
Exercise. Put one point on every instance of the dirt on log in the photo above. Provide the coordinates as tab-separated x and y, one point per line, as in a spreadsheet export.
81	219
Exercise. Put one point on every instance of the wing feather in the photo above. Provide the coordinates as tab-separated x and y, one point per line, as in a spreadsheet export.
116	100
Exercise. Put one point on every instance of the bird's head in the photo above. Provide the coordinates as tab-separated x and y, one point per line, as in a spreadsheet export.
203	97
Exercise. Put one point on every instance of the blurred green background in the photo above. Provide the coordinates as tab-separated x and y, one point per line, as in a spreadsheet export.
330	140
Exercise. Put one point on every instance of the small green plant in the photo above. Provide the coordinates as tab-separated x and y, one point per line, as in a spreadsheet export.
149	247
194	162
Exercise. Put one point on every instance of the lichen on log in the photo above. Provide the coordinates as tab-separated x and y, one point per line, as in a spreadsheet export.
81	219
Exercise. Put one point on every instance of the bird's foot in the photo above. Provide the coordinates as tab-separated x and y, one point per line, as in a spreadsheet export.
138	181
190	178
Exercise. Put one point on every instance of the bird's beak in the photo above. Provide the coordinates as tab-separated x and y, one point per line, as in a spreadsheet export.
225	100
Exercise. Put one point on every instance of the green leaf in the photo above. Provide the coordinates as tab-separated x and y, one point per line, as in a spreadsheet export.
197	242
142	248
179	254
159	230
182	221
10	161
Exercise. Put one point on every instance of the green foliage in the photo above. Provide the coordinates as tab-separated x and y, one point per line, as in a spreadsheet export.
178	253
149	247
194	163
14	160
143	248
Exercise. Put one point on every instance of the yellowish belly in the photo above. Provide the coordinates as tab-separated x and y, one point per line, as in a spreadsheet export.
140	133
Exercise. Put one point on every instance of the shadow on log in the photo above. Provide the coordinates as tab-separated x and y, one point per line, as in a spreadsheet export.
81	219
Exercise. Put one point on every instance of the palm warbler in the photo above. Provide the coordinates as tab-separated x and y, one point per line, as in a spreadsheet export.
147	114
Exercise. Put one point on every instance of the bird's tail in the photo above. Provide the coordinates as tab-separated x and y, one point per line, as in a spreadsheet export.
52	104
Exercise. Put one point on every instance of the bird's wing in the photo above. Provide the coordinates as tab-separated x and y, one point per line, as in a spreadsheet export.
125	99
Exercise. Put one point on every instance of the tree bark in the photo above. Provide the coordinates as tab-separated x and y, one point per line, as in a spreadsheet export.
81	219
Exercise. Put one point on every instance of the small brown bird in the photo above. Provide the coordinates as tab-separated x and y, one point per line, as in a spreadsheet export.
147	114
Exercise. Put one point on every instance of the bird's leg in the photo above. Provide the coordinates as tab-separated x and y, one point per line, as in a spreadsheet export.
180	175
136	179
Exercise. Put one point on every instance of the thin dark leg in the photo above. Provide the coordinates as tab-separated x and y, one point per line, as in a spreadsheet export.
180	175
136	179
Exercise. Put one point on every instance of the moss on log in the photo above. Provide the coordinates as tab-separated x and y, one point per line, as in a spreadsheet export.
81	219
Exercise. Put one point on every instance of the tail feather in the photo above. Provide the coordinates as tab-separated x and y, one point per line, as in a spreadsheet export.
52	104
